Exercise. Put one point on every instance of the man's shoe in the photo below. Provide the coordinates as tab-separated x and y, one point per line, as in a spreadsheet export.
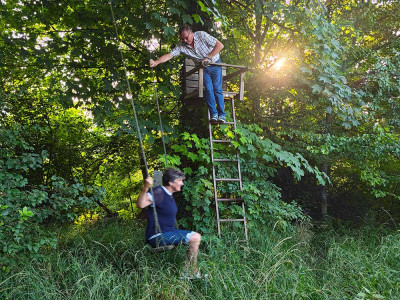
221	120
214	119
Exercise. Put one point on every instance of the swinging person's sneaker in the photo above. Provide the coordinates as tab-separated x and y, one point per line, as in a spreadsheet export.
197	275
221	120
214	119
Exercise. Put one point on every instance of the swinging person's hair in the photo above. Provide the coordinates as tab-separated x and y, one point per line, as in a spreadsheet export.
170	175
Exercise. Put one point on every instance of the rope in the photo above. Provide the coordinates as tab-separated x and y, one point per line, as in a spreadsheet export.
156	96
129	97
159	116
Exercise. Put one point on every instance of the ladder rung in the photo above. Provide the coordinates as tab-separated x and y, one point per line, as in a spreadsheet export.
229	199
224	159
227	179
219	123
222	141
231	220
229	95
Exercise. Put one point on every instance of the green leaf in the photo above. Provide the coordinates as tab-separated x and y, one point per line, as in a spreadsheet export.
168	31
149	26
316	89
187	19
325	79
197	18
306	70
202	6
174	10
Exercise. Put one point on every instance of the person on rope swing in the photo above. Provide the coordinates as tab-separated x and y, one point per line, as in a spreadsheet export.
162	198
204	48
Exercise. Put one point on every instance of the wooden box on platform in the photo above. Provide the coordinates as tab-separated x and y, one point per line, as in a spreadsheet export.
193	81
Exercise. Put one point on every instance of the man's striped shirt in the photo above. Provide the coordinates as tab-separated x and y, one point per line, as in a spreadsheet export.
203	45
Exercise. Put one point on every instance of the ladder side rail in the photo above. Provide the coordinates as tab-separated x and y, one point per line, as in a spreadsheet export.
236	138
245	221
239	170
213	173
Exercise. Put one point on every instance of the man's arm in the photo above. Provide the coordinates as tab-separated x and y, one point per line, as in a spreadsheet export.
143	199
162	59
217	49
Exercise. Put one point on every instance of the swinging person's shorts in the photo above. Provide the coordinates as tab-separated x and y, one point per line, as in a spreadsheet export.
175	237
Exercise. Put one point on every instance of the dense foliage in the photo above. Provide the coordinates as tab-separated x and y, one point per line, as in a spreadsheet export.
27	203
319	124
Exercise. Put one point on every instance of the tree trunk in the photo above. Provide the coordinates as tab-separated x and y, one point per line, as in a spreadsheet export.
324	194
325	169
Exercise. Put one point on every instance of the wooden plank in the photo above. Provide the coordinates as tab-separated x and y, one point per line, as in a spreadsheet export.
192	83
194	76
230	199
222	141
225	160
192	94
189	62
194	70
191	90
241	87
233	74
191	77
227	65
201	70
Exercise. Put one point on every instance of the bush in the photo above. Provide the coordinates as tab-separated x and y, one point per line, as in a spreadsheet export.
26	206
260	158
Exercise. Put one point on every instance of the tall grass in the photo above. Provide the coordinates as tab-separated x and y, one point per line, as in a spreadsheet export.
110	261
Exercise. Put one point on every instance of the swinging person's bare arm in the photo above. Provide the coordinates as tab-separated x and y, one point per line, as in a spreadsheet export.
143	199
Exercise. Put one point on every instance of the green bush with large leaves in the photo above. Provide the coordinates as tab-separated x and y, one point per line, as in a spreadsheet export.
26	206
260	159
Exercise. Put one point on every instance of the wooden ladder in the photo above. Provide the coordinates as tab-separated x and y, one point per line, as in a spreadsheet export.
236	200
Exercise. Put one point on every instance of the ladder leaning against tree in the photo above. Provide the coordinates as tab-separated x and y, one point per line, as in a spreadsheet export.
193	88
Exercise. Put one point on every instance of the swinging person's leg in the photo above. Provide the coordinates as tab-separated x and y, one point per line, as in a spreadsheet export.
187	237
193	251
175	237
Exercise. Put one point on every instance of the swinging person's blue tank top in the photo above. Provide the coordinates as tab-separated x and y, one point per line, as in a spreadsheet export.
166	212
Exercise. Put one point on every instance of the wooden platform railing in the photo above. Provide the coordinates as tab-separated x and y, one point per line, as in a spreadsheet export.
193	78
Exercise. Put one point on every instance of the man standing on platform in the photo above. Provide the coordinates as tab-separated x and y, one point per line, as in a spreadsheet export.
204	48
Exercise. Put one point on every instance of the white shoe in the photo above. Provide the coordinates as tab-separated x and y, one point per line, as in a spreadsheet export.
197	275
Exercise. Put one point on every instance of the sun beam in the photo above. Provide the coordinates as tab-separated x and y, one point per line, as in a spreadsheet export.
279	63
